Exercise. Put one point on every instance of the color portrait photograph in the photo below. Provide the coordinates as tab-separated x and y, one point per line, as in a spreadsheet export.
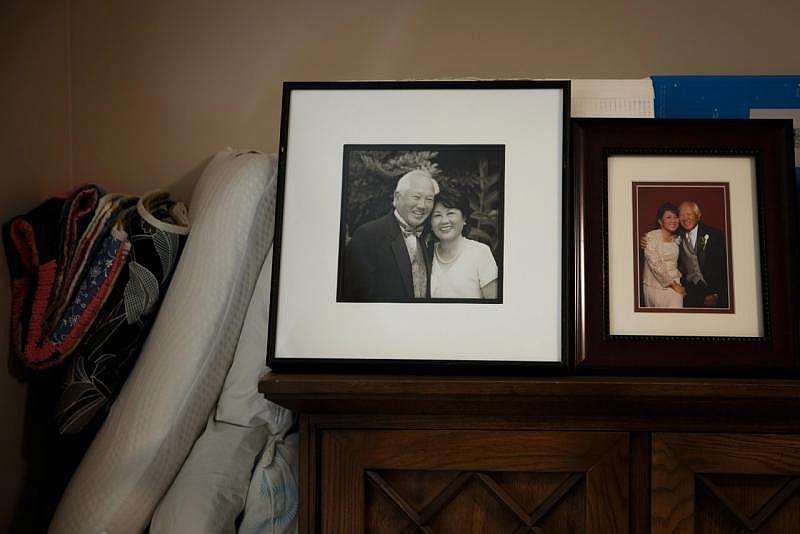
682	243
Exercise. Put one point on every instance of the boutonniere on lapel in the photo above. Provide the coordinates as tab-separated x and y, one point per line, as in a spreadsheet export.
704	242
677	240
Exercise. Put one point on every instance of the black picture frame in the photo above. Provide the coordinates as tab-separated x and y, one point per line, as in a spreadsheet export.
290	300
601	148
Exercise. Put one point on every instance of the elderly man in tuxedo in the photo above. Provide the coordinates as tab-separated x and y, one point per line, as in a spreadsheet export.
702	260
387	260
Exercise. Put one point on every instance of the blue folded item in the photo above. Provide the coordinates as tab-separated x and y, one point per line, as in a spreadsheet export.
723	97
729	97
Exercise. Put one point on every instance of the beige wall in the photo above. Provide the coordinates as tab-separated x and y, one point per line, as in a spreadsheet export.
160	86
34	150
138	95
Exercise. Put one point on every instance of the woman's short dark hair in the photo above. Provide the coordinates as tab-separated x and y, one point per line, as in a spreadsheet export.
665	207
454	198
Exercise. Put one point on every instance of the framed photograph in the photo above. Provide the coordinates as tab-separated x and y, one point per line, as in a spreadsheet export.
421	225
686	242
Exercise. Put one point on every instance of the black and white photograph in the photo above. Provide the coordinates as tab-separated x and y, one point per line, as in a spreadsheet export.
421	223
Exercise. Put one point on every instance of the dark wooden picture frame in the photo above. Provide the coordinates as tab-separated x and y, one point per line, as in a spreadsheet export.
769	145
315	327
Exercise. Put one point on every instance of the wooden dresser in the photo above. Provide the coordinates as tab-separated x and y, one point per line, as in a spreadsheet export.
408	454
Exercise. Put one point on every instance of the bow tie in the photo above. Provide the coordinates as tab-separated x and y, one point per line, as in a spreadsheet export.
409	230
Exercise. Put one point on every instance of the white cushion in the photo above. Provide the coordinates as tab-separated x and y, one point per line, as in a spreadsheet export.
210	491
240	402
172	390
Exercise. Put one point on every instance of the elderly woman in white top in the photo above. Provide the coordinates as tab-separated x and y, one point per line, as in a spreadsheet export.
462	267
661	278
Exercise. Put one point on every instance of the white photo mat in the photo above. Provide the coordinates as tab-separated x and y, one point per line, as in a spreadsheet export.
739	173
526	327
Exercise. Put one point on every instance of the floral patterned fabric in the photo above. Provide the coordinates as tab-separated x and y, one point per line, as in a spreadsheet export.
157	231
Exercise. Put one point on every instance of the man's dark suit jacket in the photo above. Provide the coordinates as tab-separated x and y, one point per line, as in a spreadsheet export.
713	265
376	264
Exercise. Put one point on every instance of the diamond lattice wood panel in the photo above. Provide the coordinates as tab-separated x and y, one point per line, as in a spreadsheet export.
487	501
442	482
725	483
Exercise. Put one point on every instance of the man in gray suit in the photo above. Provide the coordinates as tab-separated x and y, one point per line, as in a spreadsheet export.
702	261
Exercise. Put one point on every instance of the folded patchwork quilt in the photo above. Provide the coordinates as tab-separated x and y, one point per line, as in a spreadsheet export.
63	257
